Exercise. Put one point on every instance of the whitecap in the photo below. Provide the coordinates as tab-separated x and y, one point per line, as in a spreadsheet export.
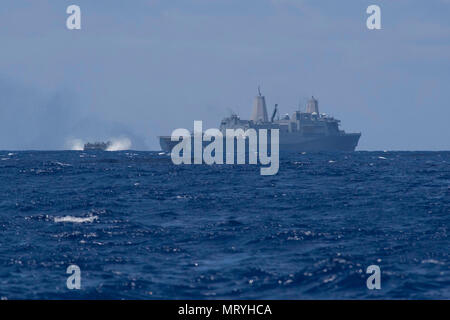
383	158
75	219
62	164
330	279
432	261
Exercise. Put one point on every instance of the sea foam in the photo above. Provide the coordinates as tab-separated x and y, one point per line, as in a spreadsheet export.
76	219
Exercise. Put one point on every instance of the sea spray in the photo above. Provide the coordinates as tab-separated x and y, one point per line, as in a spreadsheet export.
118	144
75	144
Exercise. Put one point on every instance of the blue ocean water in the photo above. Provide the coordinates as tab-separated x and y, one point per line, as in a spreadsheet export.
140	227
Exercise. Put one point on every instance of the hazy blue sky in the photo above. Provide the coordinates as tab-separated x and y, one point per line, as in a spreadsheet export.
142	68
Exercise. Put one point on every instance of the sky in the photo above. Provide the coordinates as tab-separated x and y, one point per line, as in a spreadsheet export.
142	68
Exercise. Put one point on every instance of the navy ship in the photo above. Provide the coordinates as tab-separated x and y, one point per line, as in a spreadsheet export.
308	131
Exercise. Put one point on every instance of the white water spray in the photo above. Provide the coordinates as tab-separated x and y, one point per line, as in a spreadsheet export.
75	144
119	144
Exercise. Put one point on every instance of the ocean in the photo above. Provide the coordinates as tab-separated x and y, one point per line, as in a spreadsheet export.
139	227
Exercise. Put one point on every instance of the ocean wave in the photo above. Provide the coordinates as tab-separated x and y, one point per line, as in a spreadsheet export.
310	232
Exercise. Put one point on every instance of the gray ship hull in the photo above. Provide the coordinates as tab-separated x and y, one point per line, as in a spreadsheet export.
295	143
